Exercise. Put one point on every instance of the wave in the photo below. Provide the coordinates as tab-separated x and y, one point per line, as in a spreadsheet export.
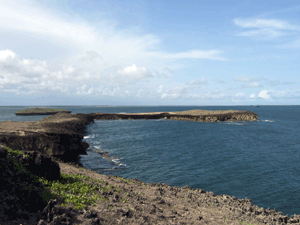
89	136
235	123
106	155
268	121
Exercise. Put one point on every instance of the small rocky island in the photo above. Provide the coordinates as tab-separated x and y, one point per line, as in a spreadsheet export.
39	111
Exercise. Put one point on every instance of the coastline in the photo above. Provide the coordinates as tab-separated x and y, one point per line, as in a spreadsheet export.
130	201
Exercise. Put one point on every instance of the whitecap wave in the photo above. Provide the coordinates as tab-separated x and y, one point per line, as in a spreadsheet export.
268	121
89	136
235	123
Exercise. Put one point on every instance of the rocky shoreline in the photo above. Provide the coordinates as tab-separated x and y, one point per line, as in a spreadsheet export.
61	135
119	200
50	148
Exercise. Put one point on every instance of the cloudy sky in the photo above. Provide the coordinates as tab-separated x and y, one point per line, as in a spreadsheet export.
142	52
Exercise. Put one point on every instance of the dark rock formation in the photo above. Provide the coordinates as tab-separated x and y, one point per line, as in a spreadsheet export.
40	165
19	192
59	136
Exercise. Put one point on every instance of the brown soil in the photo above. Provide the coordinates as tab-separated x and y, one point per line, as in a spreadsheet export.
136	202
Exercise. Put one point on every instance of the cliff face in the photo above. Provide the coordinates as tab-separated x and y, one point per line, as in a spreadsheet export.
59	135
64	146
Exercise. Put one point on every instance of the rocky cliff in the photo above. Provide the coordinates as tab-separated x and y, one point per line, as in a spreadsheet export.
59	135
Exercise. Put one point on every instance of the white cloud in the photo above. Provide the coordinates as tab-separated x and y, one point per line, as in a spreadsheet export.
262	34
265	94
265	23
32	76
265	29
249	82
219	81
213	95
240	95
252	96
243	79
193	54
197	82
98	54
176	92
134	72
7	55
252	84
160	89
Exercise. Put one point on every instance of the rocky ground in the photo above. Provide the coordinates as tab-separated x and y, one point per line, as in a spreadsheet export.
124	201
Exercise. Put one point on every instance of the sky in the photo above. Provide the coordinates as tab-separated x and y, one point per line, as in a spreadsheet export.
142	52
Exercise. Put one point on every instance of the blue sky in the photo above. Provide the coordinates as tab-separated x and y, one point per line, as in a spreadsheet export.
55	52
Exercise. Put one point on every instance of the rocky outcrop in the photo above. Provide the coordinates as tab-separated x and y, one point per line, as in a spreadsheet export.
59	136
40	165
204	117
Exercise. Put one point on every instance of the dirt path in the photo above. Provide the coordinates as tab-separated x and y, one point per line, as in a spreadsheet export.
136	202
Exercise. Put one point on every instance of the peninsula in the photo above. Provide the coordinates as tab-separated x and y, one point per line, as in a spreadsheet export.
39	111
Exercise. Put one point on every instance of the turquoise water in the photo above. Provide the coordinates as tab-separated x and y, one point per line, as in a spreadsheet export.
255	160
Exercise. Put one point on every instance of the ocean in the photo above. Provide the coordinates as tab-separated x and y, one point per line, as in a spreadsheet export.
255	160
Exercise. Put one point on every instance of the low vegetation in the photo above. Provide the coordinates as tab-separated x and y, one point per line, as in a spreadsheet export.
76	189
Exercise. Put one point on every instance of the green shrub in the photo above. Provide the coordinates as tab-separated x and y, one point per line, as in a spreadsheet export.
75	189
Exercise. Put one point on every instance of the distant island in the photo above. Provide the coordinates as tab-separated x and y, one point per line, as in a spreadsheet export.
39	111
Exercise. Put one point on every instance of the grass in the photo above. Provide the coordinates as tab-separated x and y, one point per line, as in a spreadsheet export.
15	152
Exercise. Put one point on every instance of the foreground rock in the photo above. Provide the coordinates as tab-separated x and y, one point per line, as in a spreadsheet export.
122	201
20	193
39	111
